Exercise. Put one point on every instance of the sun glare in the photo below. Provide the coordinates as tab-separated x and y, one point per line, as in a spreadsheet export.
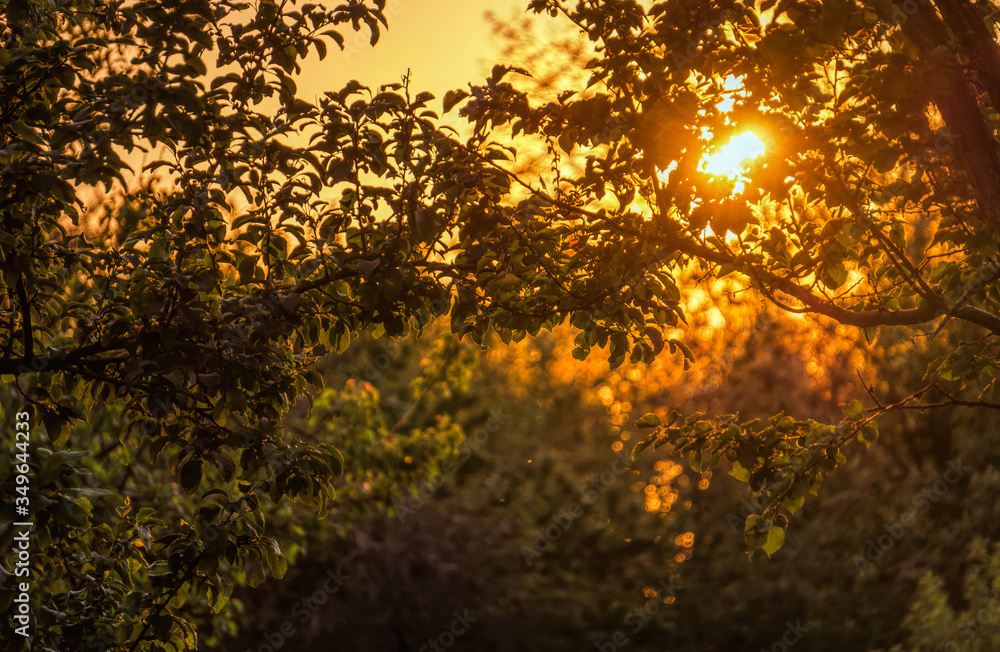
732	159
729	160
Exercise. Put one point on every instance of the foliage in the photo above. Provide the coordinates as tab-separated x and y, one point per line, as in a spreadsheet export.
873	206
505	488
409	571
935	624
192	302
185	301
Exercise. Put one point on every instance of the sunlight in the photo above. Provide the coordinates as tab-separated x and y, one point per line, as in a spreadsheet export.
664	175
733	83
733	86
729	160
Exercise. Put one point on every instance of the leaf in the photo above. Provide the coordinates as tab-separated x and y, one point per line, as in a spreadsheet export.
227	467
451	98
196	64
838	274
639	447
335	460
685	351
694	459
275	558
739	472
27	133
854	410
190	475
648	421
144	537
794	504
253	568
566	141
366	267
246	269
219	602
752	533
775	539
885	160
145	514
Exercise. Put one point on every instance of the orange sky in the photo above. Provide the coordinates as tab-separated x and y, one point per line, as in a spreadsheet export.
446	43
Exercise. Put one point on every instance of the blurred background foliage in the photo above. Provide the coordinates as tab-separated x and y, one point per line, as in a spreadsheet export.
420	539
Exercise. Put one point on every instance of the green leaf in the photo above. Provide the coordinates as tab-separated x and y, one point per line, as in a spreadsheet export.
254	569
219	601
227	467
275	558
794	504
639	447
738	472
854	410
27	133
648	421
775	539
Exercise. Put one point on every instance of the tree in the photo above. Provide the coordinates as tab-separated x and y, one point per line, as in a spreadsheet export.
874	204
193	317
269	230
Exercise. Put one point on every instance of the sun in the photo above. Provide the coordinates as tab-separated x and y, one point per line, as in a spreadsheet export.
731	160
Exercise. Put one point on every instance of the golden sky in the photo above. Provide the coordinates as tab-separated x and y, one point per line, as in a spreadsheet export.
446	43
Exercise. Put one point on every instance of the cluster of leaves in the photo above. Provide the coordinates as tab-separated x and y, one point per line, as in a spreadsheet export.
397	429
117	550
781	461
544	449
175	306
593	574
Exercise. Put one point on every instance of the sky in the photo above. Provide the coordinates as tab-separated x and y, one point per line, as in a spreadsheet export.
446	43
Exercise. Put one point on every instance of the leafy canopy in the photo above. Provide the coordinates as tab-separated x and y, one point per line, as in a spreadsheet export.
195	291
